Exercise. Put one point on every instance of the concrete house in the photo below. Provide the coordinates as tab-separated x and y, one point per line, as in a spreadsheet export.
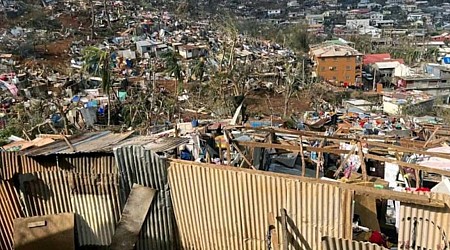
338	64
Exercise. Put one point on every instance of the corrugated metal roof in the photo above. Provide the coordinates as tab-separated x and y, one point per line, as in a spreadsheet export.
155	144
332	243
10	210
85	143
220	207
423	227
144	167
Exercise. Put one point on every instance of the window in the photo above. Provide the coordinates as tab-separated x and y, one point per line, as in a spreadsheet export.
322	58
348	68
347	77
322	68
334	78
335	59
348	58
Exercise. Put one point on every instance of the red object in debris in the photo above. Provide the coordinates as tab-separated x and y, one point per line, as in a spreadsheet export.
378	239
420	189
345	84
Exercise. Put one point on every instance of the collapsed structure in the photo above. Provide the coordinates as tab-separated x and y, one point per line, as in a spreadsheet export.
242	187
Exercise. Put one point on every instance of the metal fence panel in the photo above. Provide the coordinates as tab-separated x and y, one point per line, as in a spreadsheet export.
143	167
219	207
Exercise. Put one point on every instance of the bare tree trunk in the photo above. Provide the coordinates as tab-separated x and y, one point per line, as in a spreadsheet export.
92	19
109	109
105	9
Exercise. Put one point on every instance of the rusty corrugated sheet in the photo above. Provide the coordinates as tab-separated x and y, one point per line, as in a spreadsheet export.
95	199
45	193
423	227
99	164
143	167
91	142
12	163
10	210
9	165
219	207
332	243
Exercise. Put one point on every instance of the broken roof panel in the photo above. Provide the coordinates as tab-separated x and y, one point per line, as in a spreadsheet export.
85	143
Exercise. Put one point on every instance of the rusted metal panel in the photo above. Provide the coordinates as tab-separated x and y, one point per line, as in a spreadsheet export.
9	165
10	210
93	197
332	243
219	207
143	167
12	163
47	232
91	142
99	164
423	227
45	193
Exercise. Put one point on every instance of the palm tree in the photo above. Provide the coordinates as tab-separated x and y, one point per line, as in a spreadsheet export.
98	63
198	69
174	68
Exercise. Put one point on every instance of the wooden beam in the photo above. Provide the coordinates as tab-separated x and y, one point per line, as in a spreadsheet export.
242	155
303	157
431	136
273	232
408	150
284	229
363	161
408	165
68	143
290	147
342	165
319	159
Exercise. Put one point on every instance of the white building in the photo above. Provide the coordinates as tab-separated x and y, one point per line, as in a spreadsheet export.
376	16
293	4
314	19
357	24
274	12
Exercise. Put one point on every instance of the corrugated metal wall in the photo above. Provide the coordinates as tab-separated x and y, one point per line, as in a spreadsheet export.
84	184
95	200
332	243
220	207
423	227
143	167
9	210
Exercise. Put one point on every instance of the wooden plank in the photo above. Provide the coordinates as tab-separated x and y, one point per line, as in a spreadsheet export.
243	155
291	147
342	165
273	232
431	136
302	155
133	216
284	229
408	150
363	161
408	165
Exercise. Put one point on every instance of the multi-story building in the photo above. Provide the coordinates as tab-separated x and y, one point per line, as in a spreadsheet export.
339	64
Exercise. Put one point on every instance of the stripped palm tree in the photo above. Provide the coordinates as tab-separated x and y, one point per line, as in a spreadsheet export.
98	62
174	68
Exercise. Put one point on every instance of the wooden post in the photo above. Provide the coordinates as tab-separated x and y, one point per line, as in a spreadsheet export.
243	155
319	158
303	157
227	138
273	232
220	152
363	163
342	165
431	136
284	231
